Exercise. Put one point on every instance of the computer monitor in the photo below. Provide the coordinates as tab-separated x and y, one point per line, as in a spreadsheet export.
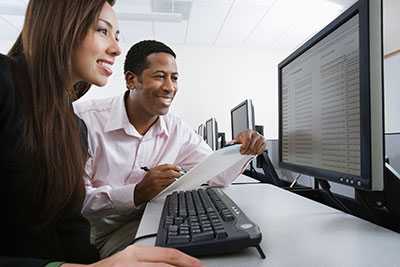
200	130
242	117
331	101
211	133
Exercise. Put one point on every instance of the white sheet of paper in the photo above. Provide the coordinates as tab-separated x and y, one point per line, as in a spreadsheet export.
210	167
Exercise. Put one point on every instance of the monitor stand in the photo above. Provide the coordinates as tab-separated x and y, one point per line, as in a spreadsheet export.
270	176
221	140
384	206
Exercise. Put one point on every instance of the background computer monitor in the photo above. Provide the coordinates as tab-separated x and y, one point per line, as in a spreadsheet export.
200	130
331	104
242	117
211	133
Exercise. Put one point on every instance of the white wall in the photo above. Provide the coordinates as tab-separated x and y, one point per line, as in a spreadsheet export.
214	80
391	25
5	45
392	93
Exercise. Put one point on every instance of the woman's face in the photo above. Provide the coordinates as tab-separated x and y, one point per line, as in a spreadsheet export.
93	59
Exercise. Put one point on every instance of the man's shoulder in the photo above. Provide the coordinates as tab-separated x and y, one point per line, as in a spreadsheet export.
173	121
94	106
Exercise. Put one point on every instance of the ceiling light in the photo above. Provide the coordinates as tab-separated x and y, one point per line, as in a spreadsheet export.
19	10
153	16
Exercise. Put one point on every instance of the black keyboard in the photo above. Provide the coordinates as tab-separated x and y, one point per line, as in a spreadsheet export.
205	222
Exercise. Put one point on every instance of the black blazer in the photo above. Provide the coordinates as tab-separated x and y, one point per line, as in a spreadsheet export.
67	238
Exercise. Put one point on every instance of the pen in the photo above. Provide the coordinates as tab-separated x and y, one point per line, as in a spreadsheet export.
145	169
182	171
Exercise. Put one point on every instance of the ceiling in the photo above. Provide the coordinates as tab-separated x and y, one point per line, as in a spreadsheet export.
266	24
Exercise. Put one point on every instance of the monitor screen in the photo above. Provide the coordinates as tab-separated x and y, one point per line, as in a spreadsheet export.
326	120
242	117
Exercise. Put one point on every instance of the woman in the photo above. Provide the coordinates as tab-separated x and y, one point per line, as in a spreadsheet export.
64	47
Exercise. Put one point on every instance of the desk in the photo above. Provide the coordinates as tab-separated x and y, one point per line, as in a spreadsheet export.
297	232
243	179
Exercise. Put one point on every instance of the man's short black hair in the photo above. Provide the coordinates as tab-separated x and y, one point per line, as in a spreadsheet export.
136	59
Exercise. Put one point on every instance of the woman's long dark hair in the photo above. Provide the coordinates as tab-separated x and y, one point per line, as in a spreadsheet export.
52	30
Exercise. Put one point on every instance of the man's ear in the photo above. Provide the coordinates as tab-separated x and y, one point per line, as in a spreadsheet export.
131	79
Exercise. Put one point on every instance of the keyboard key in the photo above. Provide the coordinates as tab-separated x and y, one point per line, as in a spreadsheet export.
178	220
178	239
195	224
195	231
173	228
221	234
228	217
203	236
184	232
207	229
215	221
206	224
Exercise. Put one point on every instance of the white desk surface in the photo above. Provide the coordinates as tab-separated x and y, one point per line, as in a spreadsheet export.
243	179
297	232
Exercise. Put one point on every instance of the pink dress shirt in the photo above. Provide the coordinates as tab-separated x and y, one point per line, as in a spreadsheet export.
117	152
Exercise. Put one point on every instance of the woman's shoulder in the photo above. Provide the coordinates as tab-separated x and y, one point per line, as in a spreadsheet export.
8	95
6	81
5	62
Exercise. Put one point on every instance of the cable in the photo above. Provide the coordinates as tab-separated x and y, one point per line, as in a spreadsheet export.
327	188
339	203
295	181
260	251
143	237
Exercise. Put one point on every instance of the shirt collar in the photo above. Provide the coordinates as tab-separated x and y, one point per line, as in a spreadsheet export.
161	126
118	119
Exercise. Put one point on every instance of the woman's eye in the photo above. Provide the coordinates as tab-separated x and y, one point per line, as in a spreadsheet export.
103	31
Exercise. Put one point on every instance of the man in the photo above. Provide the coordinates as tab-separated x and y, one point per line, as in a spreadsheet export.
137	148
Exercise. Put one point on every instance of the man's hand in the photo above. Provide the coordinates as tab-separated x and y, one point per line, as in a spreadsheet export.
155	180
252	142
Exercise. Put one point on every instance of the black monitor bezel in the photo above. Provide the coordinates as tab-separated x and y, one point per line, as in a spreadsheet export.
249	109
362	9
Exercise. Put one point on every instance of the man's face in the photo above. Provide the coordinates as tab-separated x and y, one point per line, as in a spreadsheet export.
156	87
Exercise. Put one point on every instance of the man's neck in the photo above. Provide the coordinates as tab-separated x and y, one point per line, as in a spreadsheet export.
138	116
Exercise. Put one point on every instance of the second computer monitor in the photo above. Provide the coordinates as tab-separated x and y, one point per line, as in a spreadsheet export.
211	133
242	117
